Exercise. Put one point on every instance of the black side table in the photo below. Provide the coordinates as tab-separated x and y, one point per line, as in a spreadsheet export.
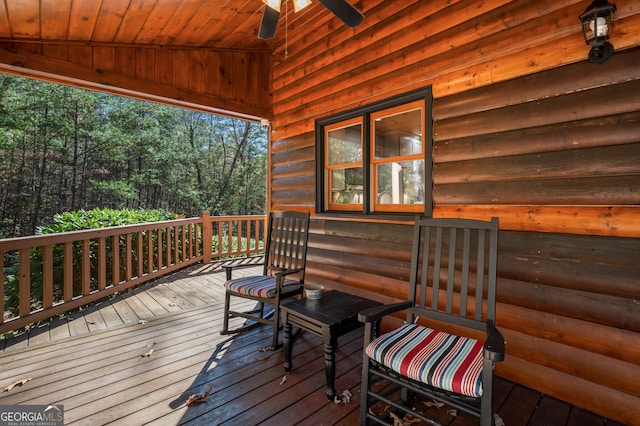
329	318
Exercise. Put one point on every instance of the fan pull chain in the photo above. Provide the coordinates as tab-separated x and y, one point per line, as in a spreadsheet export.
286	29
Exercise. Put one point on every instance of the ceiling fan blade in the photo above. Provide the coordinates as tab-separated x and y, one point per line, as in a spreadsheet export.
343	10
269	23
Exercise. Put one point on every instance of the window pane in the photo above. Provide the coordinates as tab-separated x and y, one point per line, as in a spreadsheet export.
400	182
345	145
347	185
398	134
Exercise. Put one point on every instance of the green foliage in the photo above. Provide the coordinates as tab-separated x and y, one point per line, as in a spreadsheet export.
102	218
67	149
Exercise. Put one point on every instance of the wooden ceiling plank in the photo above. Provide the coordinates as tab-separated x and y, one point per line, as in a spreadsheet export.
125	83
197	70
228	24
217	25
199	21
158	18
164	66
55	50
178	21
54	19
5	31
109	20
146	64
24	18
237	37
133	20
104	58
212	73
84	15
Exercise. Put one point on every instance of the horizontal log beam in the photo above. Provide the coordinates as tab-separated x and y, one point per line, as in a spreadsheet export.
619	221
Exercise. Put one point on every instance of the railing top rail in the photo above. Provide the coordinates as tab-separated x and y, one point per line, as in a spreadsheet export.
63	237
245	217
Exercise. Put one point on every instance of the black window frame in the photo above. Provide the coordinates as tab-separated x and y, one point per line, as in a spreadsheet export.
365	112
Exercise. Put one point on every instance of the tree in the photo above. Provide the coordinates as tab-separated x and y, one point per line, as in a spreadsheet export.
64	149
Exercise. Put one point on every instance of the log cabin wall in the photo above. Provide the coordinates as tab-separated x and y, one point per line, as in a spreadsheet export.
524	128
231	82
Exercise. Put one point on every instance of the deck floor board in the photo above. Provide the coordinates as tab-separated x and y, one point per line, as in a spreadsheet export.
106	366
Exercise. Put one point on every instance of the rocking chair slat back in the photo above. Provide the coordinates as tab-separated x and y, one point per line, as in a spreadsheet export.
451	278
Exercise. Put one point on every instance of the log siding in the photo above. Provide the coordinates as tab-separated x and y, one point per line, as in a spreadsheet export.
524	128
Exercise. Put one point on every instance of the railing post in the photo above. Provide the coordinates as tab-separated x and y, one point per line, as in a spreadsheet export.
207	237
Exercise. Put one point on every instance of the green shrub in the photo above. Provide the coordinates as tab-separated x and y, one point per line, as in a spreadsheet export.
102	218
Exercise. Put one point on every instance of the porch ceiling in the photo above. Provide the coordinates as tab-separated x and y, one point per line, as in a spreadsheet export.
202	54
230	24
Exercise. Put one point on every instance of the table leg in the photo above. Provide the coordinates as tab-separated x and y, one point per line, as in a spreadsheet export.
287	343
330	347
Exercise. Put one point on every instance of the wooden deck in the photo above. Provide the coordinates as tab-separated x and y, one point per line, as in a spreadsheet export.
139	364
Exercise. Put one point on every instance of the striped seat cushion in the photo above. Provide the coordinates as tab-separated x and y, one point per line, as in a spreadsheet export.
441	360
260	286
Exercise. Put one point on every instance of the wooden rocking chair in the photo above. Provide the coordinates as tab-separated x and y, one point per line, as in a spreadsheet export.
282	275
452	293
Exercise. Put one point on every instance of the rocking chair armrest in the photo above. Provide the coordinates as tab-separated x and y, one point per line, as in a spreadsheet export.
494	344
229	268
285	272
376	313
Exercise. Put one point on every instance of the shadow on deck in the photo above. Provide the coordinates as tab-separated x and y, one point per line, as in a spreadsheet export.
143	371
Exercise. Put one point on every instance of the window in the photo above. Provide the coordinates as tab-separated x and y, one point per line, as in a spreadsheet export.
343	164
376	159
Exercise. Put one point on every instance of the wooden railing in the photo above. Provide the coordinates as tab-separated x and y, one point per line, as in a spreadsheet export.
54	273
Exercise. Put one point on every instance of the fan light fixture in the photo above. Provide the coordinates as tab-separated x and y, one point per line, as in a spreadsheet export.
277	4
596	27
340	8
273	4
300	4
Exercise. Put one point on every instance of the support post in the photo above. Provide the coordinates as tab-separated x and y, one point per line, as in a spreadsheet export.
207	237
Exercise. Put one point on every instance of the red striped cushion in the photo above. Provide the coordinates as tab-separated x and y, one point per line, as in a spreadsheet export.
441	360
260	286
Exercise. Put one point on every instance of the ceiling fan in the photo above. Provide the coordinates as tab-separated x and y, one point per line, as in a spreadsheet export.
341	8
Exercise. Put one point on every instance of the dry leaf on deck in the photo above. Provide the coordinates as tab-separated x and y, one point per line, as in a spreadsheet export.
263	358
198	398
397	421
343	398
16	383
453	412
409	419
434	403
148	354
284	379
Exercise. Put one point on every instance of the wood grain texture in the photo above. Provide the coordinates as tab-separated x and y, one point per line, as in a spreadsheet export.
177	75
149	370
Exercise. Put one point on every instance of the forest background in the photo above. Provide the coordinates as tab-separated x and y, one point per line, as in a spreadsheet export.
66	149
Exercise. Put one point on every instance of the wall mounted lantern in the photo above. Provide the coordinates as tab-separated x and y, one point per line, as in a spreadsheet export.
596	27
